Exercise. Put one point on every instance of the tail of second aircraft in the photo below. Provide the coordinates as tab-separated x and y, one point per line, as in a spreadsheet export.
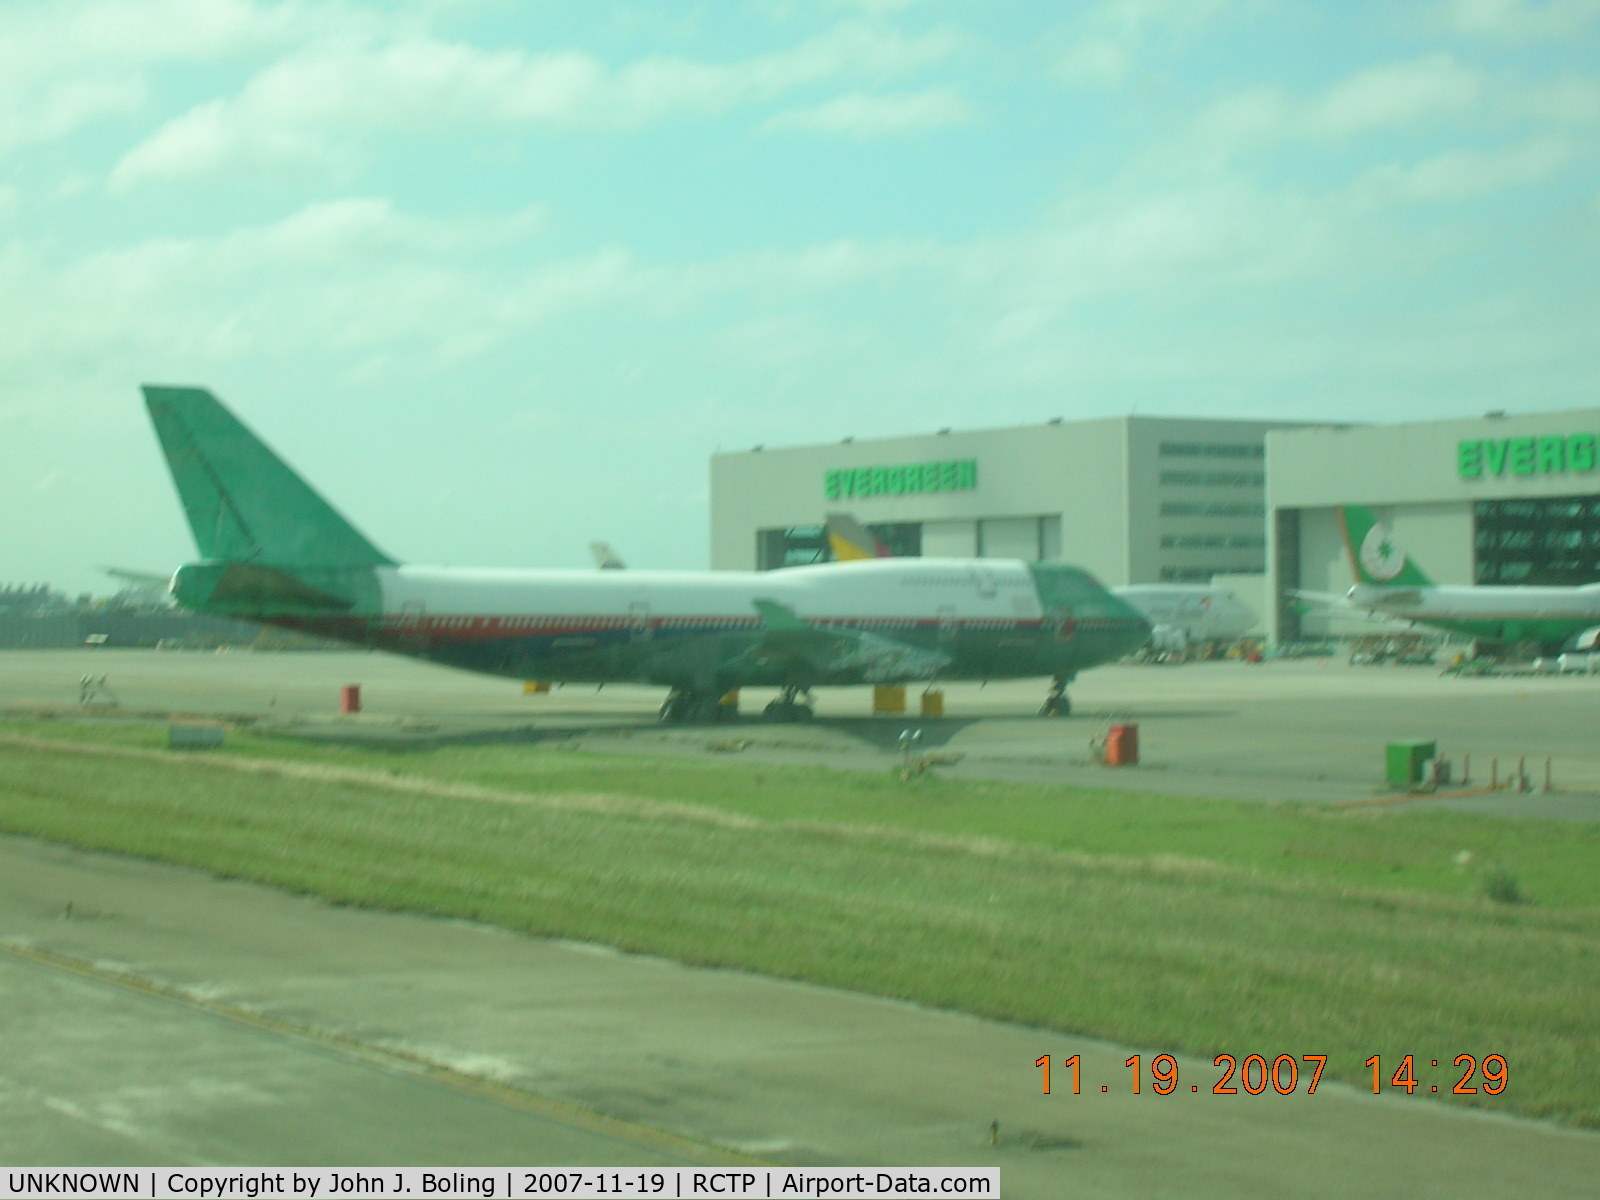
1376	559
851	541
272	545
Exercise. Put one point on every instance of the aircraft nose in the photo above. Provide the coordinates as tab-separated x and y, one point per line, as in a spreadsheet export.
1136	620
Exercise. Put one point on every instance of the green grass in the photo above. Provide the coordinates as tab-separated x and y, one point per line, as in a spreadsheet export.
1410	848
1183	925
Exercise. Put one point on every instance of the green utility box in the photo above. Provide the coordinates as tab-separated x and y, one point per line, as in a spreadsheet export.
1405	762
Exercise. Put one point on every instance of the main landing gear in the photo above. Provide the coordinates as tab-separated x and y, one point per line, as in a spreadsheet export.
684	706
1056	703
789	706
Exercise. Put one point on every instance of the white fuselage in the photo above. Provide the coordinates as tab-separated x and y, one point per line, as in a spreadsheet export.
1445	603
1198	613
881	591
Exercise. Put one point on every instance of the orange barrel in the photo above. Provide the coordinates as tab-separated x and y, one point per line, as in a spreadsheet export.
350	698
1122	746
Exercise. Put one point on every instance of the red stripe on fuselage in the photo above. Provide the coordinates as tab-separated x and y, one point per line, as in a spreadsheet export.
469	629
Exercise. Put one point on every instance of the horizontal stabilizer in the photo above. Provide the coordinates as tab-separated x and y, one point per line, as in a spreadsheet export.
249	584
253	589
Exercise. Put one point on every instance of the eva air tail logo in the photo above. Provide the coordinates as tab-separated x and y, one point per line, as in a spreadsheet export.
1381	558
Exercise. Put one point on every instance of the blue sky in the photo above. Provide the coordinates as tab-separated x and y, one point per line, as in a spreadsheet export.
498	277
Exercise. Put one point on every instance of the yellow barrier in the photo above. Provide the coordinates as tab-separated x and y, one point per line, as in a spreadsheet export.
888	698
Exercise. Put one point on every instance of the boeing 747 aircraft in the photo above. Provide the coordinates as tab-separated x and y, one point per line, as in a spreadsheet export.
275	551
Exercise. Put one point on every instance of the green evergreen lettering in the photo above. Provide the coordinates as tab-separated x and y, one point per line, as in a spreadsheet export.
1581	452
1522	456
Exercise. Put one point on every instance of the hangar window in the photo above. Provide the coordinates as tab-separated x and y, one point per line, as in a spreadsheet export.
903	539
1184	508
1552	541
796	546
801	545
1212	450
1213	478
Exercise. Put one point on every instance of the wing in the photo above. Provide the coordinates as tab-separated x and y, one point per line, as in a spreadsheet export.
810	650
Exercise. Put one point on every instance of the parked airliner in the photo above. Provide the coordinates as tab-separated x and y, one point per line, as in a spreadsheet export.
1390	583
275	551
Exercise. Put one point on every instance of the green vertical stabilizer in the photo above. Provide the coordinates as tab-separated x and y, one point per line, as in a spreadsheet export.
1375	557
243	502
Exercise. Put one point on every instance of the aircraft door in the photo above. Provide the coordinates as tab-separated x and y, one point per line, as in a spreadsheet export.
948	626
412	630
640	625
1063	625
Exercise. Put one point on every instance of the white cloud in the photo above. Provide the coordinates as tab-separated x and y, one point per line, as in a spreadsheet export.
1565	100
1395	95
313	107
356	275
1523	20
1107	44
877	7
66	64
47	37
34	115
864	115
1390	96
1465	174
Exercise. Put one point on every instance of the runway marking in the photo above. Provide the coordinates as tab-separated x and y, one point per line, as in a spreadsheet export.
558	1112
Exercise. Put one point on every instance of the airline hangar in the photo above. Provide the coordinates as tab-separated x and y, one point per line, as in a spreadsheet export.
1500	499
1495	499
1132	499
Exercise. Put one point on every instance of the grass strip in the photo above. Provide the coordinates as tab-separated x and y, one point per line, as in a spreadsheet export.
1159	951
1421	849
